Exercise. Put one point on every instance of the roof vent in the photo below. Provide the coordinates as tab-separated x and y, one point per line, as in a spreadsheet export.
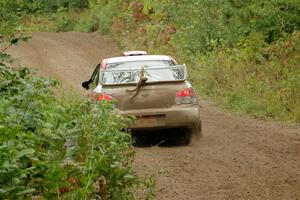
134	53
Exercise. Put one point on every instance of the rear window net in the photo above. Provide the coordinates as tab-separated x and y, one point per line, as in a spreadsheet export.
153	74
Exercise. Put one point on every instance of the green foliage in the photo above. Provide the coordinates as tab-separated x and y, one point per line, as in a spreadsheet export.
46	6
38	15
9	21
195	26
257	79
60	147
99	16
208	21
64	20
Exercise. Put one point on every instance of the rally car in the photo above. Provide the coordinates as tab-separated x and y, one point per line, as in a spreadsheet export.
153	88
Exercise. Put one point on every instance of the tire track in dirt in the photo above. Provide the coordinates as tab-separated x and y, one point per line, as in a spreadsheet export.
237	158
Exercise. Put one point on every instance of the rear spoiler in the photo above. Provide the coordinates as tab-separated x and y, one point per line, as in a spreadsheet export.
178	67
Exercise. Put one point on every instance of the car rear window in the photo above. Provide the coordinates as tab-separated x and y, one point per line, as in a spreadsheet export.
131	74
139	63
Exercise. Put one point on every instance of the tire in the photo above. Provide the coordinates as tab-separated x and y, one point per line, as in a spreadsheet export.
193	134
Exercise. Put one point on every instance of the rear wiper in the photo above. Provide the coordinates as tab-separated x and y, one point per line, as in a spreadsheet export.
140	83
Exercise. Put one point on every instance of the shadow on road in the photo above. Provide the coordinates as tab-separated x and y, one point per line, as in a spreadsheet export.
164	138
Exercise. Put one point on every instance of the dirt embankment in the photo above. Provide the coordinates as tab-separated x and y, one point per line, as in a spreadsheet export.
237	158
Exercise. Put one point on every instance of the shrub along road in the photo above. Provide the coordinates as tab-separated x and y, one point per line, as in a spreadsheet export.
237	158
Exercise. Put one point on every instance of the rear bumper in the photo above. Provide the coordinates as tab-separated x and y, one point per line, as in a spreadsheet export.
177	116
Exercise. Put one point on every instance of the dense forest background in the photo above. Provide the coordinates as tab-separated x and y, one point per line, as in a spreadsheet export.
242	54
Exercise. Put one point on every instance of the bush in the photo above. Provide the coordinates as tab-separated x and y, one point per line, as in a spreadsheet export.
55	147
256	79
100	16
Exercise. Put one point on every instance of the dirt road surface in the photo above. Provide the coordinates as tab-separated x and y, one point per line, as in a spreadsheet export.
237	158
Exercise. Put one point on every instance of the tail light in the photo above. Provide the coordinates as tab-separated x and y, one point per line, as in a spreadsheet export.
103	97
186	96
100	97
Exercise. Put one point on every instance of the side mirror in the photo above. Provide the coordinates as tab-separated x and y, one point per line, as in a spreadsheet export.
86	84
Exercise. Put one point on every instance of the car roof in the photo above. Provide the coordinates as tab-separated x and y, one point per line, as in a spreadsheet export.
137	58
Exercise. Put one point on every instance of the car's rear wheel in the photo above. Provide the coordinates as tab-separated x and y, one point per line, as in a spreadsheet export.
193	134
